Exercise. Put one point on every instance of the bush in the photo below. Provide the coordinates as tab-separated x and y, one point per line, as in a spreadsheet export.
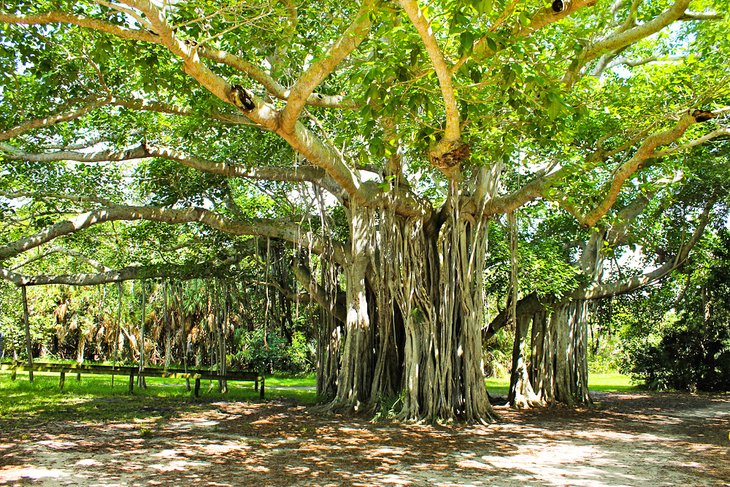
688	357
269	352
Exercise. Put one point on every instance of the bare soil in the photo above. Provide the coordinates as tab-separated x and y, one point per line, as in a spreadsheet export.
626	439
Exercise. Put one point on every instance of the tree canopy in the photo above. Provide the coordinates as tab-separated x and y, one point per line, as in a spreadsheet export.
387	138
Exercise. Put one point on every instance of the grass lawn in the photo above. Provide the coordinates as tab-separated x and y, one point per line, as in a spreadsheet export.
596	383
94	398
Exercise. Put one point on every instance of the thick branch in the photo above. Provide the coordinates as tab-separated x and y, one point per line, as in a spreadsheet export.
539	186
599	291
317	72
540	19
270	84
52	119
627	169
304	277
60	250
89	23
625	37
268	228
452	131
53	195
709	15
310	174
179	272
618	231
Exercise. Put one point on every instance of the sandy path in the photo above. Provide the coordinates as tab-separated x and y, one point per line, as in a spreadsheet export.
632	440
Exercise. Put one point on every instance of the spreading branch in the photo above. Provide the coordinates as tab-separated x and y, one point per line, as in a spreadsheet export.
605	290
624	37
160	271
452	131
646	152
355	33
275	229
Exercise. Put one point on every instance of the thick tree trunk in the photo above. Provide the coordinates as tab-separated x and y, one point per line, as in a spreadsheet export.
560	363
437	287
414	316
356	371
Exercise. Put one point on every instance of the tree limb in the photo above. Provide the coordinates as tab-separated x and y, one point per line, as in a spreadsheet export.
89	23
273	87
269	228
174	271
599	291
452	131
93	104
539	186
355	33
624	37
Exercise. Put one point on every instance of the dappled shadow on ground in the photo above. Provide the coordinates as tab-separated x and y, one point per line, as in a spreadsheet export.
639	439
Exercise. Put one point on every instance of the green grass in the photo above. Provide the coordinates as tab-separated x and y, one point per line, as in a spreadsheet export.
94	398
596	382
611	383
498	386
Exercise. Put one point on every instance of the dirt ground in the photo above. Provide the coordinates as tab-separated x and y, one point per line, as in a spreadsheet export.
627	439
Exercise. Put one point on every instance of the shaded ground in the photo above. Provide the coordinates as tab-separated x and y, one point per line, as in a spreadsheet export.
628	439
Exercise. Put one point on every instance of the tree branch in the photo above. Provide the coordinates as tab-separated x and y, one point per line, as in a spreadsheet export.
89	23
180	272
624	37
268	228
452	131
317	72
93	104
272	86
599	291
304	277
540	185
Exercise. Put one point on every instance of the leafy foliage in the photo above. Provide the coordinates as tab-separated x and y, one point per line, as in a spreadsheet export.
691	351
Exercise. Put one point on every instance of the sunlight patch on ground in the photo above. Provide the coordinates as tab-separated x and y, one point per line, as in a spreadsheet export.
574	464
18	474
176	466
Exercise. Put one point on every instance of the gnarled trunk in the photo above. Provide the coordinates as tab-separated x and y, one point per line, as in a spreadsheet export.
356	370
428	309
560	364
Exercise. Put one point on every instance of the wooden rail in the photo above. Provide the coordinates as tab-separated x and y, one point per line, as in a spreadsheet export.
79	369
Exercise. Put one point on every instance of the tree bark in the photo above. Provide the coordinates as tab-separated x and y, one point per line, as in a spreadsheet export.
28	342
142	353
356	371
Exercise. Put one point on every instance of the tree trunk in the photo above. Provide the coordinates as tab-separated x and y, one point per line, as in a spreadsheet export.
168	328
222	329
521	394
560	362
142	353
415	311
28	342
356	371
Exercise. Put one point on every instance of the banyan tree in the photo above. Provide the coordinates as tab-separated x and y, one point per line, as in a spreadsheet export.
378	139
